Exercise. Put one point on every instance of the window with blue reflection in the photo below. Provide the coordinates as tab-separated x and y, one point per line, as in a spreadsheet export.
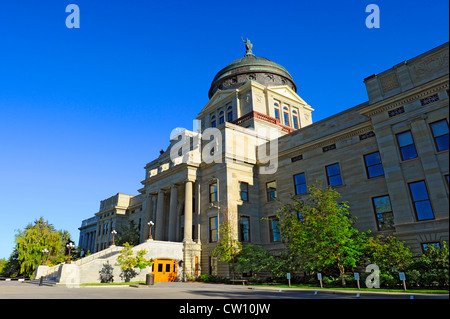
374	167
440	135
300	184
334	175
421	200
274	231
406	145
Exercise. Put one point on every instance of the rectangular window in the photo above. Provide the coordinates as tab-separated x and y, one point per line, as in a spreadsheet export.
213	193
277	114
421	200
374	167
244	229
406	145
440	135
295	120
334	175
286	119
425	246
274	231
383	213
271	191
300	184
243	191
213	230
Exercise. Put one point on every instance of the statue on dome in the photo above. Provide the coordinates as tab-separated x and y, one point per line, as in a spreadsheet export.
248	46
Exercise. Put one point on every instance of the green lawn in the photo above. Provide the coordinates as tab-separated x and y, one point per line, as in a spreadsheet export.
428	291
113	283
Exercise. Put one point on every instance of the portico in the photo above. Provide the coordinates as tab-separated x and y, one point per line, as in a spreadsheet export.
171	205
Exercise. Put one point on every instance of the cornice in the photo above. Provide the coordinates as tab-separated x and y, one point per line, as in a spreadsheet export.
399	99
333	138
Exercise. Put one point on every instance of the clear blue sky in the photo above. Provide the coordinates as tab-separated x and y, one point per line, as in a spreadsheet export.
83	110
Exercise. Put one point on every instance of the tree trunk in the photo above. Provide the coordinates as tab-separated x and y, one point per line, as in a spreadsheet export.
342	271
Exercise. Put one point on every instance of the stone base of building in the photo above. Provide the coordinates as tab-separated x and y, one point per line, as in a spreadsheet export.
183	257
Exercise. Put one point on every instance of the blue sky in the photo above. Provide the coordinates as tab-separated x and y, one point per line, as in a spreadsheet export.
83	110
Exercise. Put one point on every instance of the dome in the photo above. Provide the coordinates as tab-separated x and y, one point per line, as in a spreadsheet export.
251	67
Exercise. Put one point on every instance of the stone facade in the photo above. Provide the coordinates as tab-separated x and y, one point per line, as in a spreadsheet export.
360	152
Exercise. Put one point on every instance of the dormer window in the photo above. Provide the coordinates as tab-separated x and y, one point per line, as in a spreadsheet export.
286	116
276	110
213	121
230	114
221	117
295	119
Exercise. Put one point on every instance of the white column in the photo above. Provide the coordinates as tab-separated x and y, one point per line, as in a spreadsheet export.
173	213
197	211
188	212
159	223
148	207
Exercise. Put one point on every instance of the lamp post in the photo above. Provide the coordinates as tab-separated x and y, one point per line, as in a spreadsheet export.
45	251
70	246
114	233
151	224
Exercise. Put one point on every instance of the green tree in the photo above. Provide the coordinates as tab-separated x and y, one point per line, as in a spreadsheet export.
318	232
390	255
33	239
128	262
253	259
128	234
227	246
431	268
2	265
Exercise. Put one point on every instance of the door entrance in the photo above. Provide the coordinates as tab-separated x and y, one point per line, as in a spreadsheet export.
165	270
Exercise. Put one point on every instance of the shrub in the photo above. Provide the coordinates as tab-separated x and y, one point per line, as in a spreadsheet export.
106	273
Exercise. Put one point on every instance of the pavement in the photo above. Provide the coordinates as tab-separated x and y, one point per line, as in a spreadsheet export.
189	291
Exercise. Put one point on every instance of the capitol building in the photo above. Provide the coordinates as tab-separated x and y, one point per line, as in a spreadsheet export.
255	144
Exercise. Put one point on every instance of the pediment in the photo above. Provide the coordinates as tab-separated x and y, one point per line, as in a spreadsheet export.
286	91
215	99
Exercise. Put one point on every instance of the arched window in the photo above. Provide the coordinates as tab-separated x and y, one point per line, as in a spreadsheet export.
295	119
276	110
221	117
286	116
213	121
230	114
